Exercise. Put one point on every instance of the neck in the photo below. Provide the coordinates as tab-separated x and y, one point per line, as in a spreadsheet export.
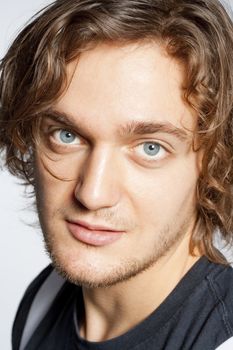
112	311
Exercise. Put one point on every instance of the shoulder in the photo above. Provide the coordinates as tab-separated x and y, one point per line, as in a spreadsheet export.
36	301
220	282
31	292
207	308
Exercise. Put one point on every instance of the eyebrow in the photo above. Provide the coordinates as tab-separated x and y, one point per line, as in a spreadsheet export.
142	127
130	129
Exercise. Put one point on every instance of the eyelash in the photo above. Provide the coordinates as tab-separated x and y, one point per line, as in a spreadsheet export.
148	159
53	133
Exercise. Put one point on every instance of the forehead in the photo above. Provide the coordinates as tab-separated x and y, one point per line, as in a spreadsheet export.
110	85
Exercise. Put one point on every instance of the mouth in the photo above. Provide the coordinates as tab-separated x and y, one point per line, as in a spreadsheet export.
92	234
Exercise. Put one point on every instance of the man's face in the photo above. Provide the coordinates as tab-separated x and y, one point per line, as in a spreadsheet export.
116	152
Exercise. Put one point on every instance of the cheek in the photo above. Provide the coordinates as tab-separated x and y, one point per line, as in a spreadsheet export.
51	192
60	166
164	192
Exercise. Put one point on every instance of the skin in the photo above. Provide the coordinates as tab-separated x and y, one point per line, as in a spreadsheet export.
106	178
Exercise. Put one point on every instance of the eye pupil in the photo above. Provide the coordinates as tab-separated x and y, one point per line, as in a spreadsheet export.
66	136
151	148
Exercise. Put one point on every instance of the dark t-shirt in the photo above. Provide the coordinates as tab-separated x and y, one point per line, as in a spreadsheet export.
197	315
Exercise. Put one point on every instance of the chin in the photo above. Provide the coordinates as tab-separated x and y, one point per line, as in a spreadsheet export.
92	271
85	274
83	265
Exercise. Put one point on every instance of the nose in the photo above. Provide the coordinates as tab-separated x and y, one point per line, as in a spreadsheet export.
97	182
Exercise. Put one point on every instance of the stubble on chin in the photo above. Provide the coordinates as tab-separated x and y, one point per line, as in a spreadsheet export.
125	270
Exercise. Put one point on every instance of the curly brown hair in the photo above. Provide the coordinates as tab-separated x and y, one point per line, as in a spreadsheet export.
197	33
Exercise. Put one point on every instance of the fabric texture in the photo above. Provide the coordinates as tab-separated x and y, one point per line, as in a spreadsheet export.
197	315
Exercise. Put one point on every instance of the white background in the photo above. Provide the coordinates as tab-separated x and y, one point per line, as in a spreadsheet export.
22	252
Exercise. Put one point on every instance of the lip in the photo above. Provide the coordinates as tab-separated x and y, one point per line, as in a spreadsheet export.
94	227
93	234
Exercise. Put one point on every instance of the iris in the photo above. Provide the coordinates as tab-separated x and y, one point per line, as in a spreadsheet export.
151	148
66	136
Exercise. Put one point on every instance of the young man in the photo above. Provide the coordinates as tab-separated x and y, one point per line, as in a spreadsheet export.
119	114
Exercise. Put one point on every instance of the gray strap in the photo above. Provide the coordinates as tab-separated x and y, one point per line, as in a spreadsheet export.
227	345
40	305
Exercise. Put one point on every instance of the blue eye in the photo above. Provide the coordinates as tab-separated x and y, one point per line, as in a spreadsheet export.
63	136
66	136
151	151
151	148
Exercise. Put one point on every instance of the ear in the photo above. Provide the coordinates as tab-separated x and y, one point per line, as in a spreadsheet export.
200	155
